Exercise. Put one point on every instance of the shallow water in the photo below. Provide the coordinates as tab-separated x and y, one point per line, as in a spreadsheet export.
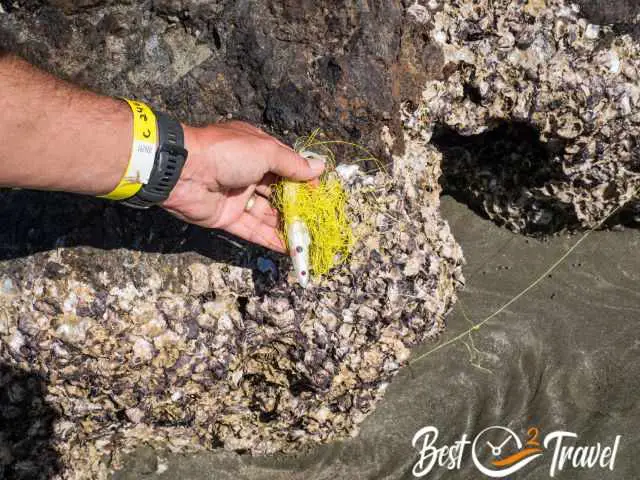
566	356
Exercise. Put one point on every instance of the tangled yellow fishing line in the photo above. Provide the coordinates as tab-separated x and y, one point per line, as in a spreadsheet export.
322	207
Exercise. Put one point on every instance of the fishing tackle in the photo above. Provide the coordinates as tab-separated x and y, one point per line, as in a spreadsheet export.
315	225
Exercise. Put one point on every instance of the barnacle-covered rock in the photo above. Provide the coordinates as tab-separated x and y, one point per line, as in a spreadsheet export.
531	110
184	353
538	117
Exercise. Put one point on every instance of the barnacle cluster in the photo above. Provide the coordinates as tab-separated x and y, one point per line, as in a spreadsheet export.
181	353
537	115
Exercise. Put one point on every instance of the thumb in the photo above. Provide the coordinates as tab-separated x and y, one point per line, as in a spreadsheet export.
289	164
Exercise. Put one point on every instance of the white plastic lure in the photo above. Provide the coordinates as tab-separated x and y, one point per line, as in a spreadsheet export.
299	241
298	237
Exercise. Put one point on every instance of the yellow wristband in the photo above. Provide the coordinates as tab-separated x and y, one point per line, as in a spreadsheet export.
143	152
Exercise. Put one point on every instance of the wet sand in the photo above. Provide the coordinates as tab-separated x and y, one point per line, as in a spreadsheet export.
565	356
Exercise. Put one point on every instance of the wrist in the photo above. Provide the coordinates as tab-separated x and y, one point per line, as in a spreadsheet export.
157	161
192	144
120	127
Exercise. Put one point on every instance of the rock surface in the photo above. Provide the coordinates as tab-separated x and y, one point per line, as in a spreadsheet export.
538	117
179	352
145	341
295	66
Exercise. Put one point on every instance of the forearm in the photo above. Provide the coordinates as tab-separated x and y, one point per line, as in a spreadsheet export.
58	137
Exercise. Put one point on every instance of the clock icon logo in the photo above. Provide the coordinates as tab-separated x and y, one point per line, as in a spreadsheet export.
507	452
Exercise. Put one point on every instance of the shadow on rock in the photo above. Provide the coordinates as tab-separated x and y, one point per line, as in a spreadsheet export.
620	13
26	427
500	172
40	221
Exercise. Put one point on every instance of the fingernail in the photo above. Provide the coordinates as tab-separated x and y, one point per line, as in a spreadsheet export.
316	164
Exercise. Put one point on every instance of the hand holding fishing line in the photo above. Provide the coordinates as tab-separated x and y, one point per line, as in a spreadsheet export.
233	172
218	176
227	180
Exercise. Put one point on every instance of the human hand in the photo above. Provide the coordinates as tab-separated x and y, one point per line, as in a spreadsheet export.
228	163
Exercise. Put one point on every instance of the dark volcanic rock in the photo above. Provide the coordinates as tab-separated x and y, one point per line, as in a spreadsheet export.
289	66
293	66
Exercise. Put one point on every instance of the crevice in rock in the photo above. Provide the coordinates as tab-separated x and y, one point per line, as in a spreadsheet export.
504	168
26	426
472	93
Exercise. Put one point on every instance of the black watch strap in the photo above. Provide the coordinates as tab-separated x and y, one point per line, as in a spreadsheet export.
170	158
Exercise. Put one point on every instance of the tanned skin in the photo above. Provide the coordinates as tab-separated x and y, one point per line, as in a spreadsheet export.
56	136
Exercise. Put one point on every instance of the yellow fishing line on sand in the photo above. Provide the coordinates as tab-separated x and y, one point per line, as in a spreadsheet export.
323	208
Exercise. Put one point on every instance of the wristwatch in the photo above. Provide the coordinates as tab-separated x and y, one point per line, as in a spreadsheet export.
169	160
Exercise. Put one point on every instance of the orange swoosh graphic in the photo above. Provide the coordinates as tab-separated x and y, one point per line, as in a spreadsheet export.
516	457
